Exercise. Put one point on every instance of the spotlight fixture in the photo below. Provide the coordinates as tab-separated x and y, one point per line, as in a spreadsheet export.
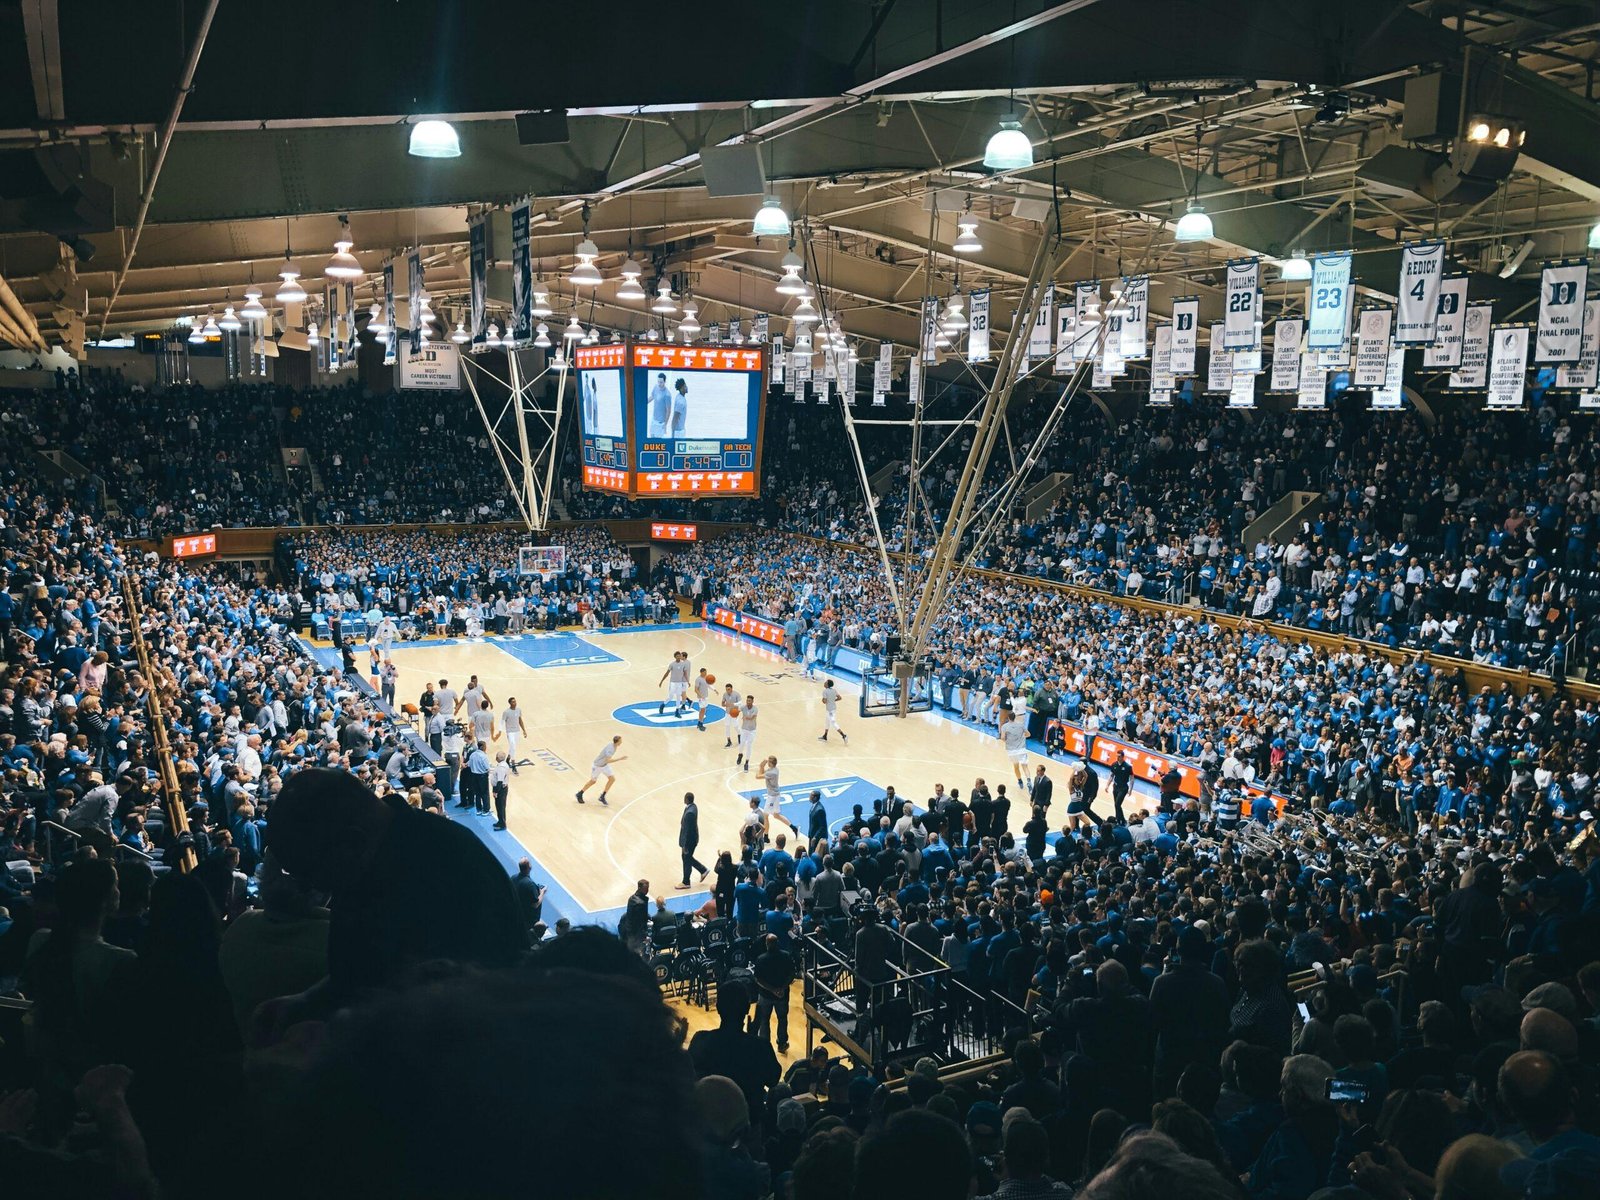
253	309
375	325
664	303
630	289
574	330
1296	268
541	299
1194	225
541	337
967	240
229	321
1009	148
791	284
1501	132
461	336
771	220
434	139
491	336
313	338
343	264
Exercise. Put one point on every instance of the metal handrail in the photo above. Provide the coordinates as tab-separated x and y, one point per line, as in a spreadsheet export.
166	761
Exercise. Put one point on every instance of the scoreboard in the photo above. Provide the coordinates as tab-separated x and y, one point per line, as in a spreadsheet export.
659	420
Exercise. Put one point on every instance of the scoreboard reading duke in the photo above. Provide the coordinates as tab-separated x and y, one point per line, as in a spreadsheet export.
660	420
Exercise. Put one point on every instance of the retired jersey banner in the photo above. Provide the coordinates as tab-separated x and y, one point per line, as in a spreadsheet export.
759	325
1135	316
978	328
930	330
1313	389
1372	349
1561	288
1239	329
1508	366
478	267
1286	354
1066	319
1421	272
1086	299
414	301
1219	371
1330	302
393	335
1161	377
521	273
1185	334
1451	330
1473	373
1040	337
1585	373
1392	395
780	360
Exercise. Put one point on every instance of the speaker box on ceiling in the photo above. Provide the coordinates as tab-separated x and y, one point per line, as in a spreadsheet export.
1025	209
733	170
545	128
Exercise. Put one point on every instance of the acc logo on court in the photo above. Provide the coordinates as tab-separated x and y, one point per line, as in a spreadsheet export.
645	715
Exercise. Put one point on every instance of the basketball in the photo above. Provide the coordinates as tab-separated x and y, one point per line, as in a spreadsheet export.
733	710
711	678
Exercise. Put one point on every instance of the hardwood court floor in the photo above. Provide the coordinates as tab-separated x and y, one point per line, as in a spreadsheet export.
598	853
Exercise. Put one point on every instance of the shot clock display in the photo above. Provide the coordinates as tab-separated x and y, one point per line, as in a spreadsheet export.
602	416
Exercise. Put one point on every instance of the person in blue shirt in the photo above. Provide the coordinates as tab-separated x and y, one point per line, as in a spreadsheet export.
749	905
778	863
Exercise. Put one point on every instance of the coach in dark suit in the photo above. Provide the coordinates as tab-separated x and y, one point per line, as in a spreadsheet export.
817	821
689	839
1043	788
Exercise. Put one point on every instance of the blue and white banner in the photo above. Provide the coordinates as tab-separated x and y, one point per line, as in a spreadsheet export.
1185	334
1473	373
1040	337
1286	354
1391	395
882	375
759	326
978	327
1161	374
780	360
521	274
1585	373
393	335
1066	320
1086	299
478	269
1329	308
1421	272
1452	326
1374	327
1219	371
714	333
1508	366
1561	288
1241	307
1135	316
1313	389
414	299
735	331
930	330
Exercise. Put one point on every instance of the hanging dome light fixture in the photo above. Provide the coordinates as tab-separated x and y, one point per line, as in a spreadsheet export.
343	264
586	274
955	316
491	336
690	325
771	220
230	322
542	336
434	139
375	325
197	335
541	299
805	314
967	240
1009	148
313	338
630	288
460	337
1194	225
574	330
289	291
253	309
664	303
1296	268
791	284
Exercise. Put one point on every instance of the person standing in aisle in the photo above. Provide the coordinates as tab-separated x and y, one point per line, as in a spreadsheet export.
689	840
478	776
511	726
500	782
602	768
830	710
747	732
1121	784
388	675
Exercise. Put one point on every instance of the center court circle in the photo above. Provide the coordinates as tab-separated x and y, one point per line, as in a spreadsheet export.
645	716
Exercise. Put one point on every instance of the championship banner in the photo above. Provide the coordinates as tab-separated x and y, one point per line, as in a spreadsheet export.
1243	392
735	331
714	333
1451	329
849	382
1086	300
930	329
802	361
1111	345
1160	399
1286	354
1135	316
759	325
1313	390
521	274
830	364
914	383
1219	371
1044	325
825	388
351	342
414	300
978	327
780	361
1561	288
1066	319
1161	374
883	374
1589	401
1185	334
478	267
1421	272
1508	366
1391	395
1585	373
1372	348
1248	362
388	315
1473	373
1329	308
1335	360
328	353
1100	374
1239	331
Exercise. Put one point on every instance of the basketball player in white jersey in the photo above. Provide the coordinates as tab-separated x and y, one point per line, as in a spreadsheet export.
730	717
511	725
773	802
747	732
702	696
830	713
678	672
602	767
1014	733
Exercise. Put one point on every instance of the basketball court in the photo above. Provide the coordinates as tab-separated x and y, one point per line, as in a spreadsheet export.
579	690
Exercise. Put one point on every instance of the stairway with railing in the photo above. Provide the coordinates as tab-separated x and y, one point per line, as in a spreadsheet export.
183	858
